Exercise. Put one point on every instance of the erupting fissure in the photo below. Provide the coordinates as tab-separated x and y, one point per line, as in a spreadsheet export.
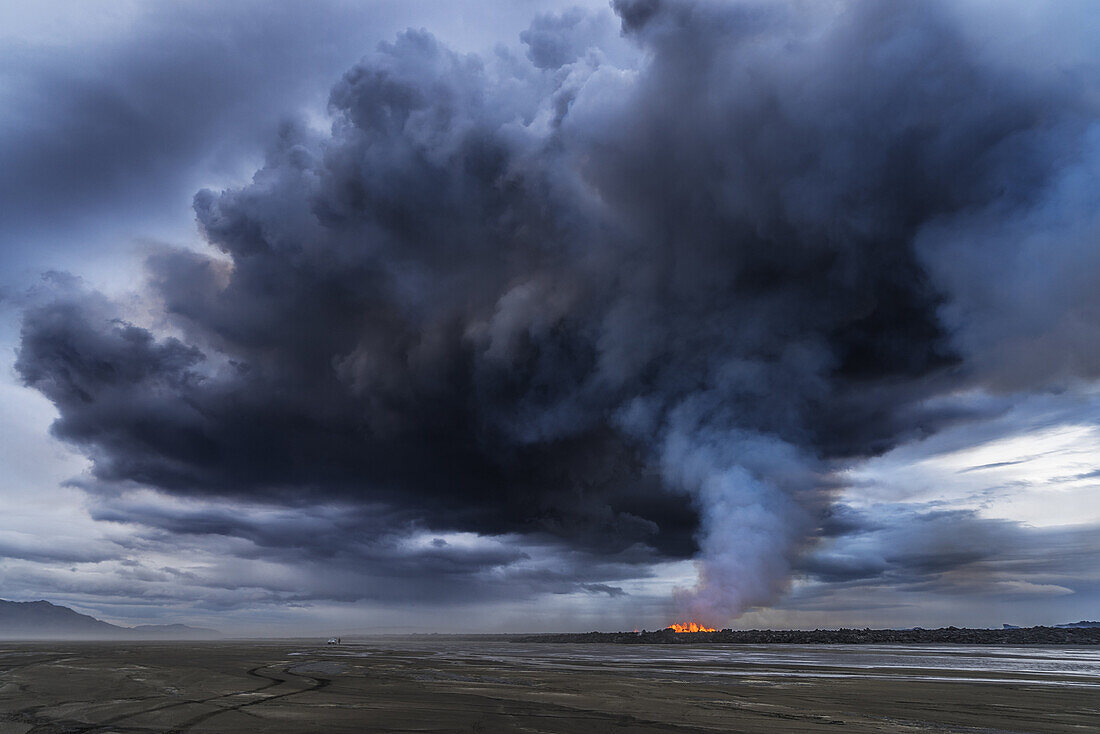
690	627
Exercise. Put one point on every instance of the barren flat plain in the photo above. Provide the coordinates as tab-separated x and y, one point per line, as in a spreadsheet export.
450	684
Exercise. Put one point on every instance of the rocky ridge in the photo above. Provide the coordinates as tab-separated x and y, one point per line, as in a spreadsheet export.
943	635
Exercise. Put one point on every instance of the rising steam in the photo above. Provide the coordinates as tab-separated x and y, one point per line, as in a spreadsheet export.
557	295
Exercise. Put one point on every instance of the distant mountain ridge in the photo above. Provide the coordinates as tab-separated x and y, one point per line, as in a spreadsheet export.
43	620
1083	624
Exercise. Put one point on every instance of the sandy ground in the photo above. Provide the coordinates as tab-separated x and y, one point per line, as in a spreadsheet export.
443	686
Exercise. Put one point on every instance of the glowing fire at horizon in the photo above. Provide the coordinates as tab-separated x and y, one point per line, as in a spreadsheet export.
690	627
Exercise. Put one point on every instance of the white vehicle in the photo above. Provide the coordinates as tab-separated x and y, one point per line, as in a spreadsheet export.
331	641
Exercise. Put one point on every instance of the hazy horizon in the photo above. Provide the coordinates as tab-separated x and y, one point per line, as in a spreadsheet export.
352	634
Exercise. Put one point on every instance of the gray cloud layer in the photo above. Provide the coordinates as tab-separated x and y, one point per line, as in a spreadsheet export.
619	308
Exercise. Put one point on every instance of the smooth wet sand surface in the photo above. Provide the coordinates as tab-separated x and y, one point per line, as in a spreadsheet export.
449	685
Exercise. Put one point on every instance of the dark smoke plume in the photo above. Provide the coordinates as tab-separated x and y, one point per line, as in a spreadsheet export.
622	307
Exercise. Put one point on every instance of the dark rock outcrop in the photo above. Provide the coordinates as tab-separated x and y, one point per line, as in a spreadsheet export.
945	635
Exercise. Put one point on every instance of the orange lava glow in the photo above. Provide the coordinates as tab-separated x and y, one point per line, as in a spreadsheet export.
690	627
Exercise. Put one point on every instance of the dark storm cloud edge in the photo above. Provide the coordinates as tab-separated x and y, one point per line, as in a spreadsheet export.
639	315
133	121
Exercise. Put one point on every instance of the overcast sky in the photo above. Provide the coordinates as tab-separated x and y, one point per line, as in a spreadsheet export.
336	317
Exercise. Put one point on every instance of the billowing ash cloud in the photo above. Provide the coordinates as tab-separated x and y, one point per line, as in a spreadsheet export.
618	306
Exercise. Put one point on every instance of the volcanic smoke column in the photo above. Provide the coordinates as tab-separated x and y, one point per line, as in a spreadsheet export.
552	297
747	488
